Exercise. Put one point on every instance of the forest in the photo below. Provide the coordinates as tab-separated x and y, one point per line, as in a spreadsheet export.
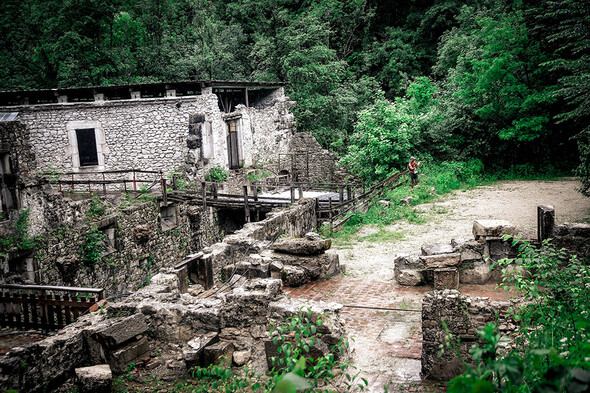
496	84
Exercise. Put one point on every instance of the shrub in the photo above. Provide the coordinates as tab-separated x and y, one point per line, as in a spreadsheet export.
216	173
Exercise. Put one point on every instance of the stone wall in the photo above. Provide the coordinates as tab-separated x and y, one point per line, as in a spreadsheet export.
142	240
159	316
159	134
463	316
311	162
574	237
254	237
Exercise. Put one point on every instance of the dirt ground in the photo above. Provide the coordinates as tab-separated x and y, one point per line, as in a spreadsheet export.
451	217
387	345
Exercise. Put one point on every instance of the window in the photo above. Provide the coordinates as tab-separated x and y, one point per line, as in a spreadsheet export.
87	147
233	144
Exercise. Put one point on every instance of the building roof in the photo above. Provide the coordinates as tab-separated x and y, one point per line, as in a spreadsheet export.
114	92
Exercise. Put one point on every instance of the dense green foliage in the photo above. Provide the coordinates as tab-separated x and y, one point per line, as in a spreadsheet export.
551	348
506	82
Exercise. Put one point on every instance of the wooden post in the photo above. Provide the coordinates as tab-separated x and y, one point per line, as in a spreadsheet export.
307	168
204	191
214	190
254	188
72	182
164	193
340	193
134	182
293	167
246	206
348	192
125	184
104	185
292	193
89	189
545	221
174	182
331	214
300	188
60	190
246	96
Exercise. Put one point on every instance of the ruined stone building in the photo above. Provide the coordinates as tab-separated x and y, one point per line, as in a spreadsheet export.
86	133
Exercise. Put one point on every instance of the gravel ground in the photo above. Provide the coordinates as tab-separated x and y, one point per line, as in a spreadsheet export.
451	217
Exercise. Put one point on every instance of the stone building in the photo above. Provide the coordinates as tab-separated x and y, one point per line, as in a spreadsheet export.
160	126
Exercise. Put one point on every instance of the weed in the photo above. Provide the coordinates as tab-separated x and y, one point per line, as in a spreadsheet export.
96	208
217	174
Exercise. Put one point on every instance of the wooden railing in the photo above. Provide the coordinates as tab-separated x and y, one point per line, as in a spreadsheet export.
122	180
44	307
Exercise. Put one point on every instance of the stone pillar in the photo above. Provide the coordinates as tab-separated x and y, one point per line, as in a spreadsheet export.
545	222
170	92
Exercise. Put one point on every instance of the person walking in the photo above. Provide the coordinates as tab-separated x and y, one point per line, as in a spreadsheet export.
412	167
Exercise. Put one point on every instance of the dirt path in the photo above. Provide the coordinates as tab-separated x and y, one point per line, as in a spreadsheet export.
387	338
451	217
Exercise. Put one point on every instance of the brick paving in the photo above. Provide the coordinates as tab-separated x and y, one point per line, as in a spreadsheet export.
387	343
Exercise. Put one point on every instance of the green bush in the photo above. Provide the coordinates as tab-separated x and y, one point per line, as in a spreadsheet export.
93	246
216	173
552	344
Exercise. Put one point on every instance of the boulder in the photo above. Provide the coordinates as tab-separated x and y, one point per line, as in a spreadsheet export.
301	246
492	228
441	260
241	357
94	379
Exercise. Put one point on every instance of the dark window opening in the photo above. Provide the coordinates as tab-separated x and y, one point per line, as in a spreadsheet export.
7	186
87	147
232	144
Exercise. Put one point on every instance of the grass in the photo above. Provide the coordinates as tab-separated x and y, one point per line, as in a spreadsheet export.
435	180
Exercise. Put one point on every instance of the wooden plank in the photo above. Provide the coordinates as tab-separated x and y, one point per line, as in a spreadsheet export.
67	309
50	313
59	310
51	288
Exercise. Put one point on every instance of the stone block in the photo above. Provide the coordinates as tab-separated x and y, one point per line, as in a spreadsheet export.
436	249
193	356
474	273
442	260
301	246
94	379
446	278
120	359
492	228
409	277
499	249
122	330
219	353
276	269
294	276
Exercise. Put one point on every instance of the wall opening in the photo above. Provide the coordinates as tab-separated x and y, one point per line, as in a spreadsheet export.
231	220
7	186
87	147
233	149
167	217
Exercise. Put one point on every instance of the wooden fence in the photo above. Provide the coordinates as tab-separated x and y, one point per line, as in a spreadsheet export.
44	307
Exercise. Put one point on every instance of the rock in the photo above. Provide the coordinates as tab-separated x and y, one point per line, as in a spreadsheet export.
241	357
193	356
442	260
122	330
446	278
436	249
94	379
313	236
474	273
294	276
492	228
142	233
276	269
120	359
220	354
409	277
301	246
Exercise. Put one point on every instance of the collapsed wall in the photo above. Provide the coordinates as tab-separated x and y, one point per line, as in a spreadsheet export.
160	316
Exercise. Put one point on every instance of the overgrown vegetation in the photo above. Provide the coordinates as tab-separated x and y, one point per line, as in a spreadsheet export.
216	173
552	344
504	82
93	246
21	239
96	208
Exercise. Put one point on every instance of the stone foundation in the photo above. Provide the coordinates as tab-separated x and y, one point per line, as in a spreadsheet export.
463	316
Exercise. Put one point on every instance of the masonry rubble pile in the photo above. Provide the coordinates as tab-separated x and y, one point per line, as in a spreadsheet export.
463	316
257	250
198	330
461	261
